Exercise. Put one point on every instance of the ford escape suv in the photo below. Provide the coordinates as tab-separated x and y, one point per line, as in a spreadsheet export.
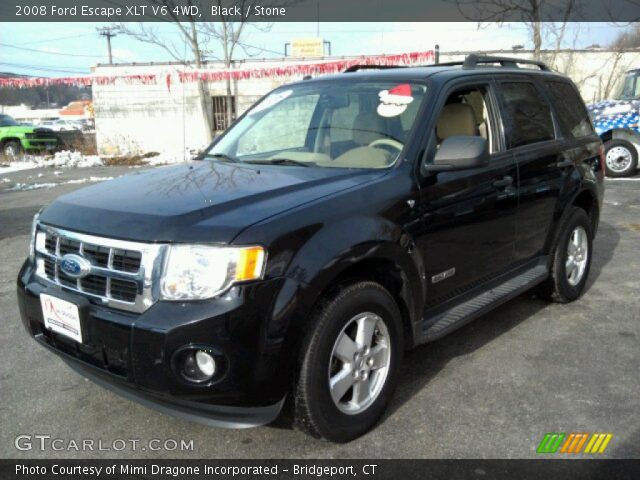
337	223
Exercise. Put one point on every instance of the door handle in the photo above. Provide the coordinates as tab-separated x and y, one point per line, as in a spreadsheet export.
564	163
504	182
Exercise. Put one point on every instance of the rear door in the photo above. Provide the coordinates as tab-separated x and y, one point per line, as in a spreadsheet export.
543	160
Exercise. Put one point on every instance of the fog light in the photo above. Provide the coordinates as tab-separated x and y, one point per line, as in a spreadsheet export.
205	363
197	366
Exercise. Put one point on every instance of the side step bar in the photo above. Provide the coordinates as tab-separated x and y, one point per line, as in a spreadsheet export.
484	300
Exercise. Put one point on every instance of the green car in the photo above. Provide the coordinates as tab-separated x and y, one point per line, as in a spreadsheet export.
16	139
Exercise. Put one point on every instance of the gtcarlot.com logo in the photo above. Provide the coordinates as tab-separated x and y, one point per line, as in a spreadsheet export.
44	442
574	443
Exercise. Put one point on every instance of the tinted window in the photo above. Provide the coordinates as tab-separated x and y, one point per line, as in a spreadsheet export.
572	114
528	116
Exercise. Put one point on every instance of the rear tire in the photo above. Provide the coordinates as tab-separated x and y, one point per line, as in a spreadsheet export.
571	259
344	384
621	158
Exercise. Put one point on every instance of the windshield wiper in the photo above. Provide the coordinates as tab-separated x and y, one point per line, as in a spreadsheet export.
222	156
283	161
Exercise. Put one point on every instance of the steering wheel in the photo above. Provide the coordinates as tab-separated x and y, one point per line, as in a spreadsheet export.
388	142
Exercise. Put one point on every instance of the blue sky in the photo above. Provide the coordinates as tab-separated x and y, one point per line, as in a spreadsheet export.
67	49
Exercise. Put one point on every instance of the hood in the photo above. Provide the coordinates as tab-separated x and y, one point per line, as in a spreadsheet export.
207	201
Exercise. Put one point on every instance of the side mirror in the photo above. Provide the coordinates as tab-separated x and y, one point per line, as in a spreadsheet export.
459	153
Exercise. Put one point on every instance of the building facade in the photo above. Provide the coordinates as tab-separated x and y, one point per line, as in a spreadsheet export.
168	115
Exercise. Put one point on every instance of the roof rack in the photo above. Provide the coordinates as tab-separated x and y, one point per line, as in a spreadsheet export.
357	68
473	60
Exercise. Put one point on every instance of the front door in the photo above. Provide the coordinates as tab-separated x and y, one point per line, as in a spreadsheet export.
468	217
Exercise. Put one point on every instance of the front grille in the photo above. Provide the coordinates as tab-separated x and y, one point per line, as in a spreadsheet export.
122	273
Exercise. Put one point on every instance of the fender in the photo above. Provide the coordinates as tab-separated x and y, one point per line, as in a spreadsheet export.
343	245
326	254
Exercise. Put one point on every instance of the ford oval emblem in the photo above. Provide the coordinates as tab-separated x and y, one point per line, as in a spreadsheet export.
75	266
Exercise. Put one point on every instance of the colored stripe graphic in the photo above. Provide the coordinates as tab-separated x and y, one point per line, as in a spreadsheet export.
598	443
573	443
550	442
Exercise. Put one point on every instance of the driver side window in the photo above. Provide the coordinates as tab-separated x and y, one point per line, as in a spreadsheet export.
466	112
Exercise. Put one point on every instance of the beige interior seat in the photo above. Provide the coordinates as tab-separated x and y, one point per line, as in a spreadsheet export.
367	127
456	119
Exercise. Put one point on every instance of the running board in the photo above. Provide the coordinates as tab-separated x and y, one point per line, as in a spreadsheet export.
443	323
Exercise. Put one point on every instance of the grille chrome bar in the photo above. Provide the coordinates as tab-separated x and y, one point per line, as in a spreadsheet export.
128	290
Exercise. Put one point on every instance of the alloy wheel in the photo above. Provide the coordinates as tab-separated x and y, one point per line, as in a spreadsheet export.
577	256
359	363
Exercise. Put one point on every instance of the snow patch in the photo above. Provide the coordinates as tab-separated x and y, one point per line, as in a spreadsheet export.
64	158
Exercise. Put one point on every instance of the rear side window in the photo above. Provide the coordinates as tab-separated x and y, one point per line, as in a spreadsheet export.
572	113
528	116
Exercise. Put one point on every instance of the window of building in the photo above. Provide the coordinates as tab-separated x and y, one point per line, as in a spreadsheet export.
220	118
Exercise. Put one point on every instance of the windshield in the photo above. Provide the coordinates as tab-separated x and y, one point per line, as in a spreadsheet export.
344	124
7	121
629	88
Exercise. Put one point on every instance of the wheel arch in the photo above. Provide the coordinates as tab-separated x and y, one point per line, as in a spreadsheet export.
6	140
390	275
588	201
585	198
621	134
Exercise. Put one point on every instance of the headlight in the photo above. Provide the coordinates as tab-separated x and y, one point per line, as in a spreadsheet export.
197	272
32	242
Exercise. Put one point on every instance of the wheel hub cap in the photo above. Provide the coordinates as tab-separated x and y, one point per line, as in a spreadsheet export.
577	256
618	159
359	363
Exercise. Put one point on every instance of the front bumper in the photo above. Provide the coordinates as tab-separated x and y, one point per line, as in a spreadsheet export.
132	354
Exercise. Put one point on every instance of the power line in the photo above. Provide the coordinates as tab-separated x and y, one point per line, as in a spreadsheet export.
44	68
38	42
46	52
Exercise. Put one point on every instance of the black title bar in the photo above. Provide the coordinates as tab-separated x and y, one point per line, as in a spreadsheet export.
319	10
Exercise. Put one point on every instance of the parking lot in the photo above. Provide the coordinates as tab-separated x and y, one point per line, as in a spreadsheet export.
490	390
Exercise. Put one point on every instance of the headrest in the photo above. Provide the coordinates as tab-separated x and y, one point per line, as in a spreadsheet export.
456	119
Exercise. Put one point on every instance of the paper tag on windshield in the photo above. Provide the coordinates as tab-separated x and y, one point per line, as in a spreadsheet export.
270	101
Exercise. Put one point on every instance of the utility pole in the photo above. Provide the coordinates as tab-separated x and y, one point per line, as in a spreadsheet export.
107	32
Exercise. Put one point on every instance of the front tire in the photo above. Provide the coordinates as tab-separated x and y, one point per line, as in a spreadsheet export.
571	259
12	150
621	158
349	363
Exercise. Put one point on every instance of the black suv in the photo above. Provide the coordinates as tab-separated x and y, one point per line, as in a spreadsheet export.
337	223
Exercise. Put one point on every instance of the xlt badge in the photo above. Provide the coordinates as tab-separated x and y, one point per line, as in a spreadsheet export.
438	277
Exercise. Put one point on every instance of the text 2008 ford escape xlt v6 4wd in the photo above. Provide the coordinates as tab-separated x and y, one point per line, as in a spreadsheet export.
337	223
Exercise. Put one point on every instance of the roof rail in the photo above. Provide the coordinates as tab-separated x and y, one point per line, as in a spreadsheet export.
473	60
357	68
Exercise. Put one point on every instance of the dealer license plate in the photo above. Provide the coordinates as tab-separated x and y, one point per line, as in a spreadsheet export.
61	316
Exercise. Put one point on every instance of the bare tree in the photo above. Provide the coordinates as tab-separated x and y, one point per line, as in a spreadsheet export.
531	12
202	40
229	36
